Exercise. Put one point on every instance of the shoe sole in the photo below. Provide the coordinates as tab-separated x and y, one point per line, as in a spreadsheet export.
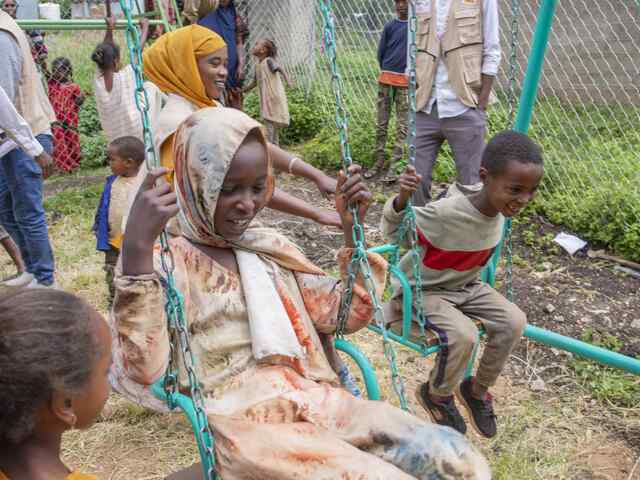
464	403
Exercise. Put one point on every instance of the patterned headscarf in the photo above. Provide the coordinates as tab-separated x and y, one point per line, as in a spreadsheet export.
171	62
204	146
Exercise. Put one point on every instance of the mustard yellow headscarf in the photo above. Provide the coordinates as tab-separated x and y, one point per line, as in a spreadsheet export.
171	62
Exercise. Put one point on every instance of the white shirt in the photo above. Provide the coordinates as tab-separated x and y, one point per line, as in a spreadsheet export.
448	103
18	133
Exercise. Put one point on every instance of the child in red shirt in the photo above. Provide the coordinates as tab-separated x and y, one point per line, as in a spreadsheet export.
66	98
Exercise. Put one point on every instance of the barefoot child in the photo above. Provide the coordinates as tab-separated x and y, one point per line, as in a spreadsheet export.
66	99
125	155
55	353
458	235
274	108
253	303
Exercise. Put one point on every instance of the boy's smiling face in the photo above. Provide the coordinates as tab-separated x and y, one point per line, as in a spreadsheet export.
510	190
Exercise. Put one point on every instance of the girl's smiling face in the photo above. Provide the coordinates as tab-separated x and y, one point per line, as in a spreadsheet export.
244	190
213	72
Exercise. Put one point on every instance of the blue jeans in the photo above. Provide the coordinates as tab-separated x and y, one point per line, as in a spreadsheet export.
21	210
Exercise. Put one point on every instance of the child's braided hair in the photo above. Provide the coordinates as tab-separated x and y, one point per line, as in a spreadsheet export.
47	344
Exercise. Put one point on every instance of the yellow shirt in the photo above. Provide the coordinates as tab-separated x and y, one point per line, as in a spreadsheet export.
71	476
120	193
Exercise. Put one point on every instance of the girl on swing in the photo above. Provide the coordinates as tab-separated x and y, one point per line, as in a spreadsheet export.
253	303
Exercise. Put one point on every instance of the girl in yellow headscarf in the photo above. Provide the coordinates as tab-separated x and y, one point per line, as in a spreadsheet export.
190	65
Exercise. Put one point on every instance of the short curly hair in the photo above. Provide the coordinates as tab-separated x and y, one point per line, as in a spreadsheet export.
47	344
507	146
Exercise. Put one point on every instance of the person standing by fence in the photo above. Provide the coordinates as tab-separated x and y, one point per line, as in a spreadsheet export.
458	55
392	89
21	176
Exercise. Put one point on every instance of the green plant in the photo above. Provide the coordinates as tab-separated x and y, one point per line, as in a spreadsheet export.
303	110
93	150
88	120
604	383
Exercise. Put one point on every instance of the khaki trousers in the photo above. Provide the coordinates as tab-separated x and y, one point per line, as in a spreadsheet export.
451	314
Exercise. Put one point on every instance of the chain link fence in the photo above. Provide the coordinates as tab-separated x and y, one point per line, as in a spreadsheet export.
587	117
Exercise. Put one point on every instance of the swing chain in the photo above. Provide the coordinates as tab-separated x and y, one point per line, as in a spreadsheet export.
513	64
174	307
513	59
359	261
409	226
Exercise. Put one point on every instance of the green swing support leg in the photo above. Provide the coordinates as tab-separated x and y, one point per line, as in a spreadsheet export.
527	102
468	373
185	404
367	370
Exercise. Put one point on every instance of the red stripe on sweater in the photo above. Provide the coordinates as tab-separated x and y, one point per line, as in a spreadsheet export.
439	259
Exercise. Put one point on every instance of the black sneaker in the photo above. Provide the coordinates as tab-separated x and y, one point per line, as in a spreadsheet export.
446	414
480	411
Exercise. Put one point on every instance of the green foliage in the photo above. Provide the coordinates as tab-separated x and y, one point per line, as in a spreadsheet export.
94	150
604	383
305	121
88	121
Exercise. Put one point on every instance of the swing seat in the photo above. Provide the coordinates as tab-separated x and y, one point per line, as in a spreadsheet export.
393	320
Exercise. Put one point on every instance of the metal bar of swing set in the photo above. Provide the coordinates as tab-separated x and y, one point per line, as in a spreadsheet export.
75	24
522	123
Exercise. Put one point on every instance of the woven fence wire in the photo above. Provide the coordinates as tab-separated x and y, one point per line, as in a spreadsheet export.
587	117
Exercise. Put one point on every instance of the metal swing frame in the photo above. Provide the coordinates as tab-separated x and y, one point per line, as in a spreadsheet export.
165	388
546	337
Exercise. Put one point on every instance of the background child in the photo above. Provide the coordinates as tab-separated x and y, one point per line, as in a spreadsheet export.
274	108
458	235
55	353
392	89
22	277
115	88
125	156
66	98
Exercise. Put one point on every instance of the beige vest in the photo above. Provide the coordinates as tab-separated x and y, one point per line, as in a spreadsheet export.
460	48
32	101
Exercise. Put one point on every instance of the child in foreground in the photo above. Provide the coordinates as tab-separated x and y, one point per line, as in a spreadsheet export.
125	156
274	108
458	235
55	353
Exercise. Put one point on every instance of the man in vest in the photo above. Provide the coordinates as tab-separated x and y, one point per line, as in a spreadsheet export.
458	44
21	176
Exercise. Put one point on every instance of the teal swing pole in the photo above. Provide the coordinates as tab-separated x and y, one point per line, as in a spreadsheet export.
79	24
522	123
527	103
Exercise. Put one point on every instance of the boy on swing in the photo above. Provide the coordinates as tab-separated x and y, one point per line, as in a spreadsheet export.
457	235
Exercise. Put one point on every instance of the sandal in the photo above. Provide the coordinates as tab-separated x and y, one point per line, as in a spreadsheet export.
375	171
390	177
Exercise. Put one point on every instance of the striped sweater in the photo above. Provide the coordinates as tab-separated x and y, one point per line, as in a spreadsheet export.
456	241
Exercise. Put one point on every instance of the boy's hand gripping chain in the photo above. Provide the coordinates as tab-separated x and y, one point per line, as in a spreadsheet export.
359	261
174	307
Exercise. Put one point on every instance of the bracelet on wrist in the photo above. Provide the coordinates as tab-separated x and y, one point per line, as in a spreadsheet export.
292	162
